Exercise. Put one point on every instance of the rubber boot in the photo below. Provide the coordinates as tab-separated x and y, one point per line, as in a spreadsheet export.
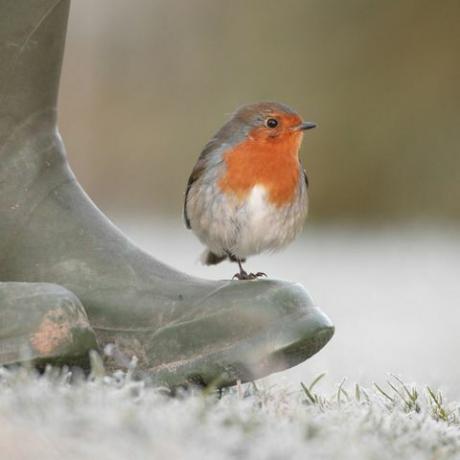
180	328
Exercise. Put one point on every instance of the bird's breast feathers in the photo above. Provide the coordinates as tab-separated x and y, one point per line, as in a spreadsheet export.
275	167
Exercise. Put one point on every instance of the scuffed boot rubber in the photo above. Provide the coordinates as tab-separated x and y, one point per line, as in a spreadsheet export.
43	324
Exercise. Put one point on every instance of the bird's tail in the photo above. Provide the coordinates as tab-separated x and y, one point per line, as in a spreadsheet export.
209	258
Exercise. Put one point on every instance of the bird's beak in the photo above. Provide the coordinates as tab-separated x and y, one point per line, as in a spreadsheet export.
305	125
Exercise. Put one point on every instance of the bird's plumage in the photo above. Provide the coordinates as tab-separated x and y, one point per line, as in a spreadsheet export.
247	192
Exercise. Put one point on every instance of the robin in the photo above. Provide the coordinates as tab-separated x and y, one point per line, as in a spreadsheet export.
248	190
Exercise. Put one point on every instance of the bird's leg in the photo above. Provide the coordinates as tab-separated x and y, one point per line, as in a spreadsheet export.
243	274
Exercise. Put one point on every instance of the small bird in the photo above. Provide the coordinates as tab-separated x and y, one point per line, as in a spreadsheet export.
248	190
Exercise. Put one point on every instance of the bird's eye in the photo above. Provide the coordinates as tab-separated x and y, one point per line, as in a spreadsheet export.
271	123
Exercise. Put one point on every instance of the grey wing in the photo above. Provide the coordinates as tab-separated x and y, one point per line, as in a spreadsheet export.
228	135
197	171
305	175
306	178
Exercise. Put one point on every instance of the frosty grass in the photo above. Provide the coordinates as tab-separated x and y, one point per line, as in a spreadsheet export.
64	415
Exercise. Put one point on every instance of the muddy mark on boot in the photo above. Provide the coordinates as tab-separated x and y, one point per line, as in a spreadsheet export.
53	331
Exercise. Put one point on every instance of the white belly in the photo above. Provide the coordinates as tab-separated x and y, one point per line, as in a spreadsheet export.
225	224
265	227
256	221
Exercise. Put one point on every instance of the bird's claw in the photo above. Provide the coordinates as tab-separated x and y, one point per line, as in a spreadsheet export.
248	276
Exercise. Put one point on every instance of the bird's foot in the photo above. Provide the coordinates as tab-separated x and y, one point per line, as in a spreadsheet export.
242	275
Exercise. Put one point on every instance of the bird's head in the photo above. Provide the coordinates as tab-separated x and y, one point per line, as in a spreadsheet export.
270	122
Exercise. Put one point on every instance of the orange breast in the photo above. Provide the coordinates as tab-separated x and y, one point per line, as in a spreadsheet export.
273	163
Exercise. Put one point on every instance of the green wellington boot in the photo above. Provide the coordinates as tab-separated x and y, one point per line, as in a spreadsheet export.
180	328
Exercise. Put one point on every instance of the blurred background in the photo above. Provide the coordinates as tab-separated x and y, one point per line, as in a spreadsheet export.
146	83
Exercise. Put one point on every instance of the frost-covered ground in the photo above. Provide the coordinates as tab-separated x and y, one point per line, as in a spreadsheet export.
114	418
393	295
